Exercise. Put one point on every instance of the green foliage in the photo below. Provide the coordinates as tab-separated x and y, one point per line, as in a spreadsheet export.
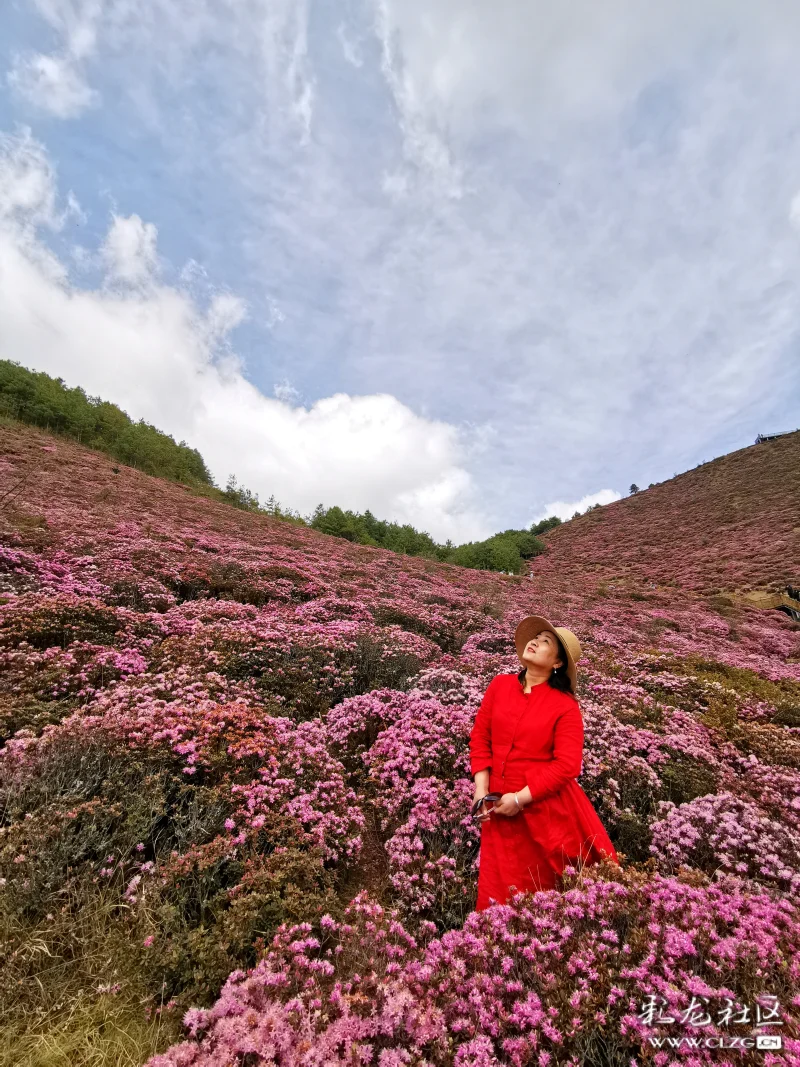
36	398
245	500
545	525
365	529
506	551
239	496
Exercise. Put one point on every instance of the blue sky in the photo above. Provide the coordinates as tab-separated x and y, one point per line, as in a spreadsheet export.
463	264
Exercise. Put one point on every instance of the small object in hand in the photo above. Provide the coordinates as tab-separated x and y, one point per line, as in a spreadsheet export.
477	808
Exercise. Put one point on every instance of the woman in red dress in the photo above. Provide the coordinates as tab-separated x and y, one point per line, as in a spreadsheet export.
527	746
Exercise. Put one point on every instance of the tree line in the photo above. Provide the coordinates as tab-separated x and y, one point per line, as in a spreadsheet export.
38	399
506	551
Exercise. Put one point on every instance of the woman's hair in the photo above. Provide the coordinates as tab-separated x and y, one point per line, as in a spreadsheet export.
559	679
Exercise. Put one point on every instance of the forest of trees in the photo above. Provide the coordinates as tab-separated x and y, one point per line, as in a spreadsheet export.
36	398
506	551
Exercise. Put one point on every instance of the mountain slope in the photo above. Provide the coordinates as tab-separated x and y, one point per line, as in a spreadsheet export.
218	726
145	543
730	525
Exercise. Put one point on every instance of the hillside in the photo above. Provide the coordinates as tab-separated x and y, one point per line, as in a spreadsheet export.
237	747
728	526
34	398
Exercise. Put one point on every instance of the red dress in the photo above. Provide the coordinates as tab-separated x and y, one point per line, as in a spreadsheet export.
533	739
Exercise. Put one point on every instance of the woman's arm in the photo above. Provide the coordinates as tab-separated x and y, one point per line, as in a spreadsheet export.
549	776
545	778
480	739
481	785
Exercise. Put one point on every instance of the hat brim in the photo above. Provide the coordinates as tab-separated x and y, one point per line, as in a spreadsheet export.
530	627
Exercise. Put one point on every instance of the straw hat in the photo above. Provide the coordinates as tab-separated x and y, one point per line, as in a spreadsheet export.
533	625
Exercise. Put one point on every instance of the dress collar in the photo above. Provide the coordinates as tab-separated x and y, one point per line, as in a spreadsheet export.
521	680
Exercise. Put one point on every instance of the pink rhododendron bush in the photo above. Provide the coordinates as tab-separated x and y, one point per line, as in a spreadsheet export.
552	978
235	794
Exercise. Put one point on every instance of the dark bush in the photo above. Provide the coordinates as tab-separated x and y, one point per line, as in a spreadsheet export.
685	778
60	621
298	675
90	800
211	913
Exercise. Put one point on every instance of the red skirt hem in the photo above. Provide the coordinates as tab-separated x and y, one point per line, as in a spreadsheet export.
528	852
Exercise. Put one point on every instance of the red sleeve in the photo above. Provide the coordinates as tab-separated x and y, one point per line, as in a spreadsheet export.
545	778
480	740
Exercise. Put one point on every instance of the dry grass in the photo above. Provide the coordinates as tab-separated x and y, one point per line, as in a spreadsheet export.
69	992
90	1031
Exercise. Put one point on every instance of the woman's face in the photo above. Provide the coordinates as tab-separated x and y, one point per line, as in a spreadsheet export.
542	651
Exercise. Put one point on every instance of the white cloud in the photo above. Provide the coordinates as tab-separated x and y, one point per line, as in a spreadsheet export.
151	349
566	509
27	182
52	83
289	19
459	65
225	313
57	83
794	210
169	39
423	128
350	49
129	250
274	314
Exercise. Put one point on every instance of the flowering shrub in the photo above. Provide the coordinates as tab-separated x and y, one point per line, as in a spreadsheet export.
206	911
308	667
55	673
551	978
723	833
252	761
414	752
221	730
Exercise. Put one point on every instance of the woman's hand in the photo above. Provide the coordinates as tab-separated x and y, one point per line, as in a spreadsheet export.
507	805
480	792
